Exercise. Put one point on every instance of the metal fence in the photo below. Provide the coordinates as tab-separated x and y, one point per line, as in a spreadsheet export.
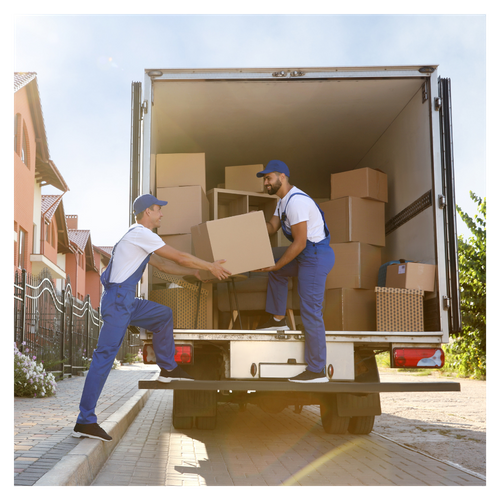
57	328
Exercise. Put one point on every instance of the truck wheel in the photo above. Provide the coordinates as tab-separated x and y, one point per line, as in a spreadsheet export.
332	423
361	425
182	422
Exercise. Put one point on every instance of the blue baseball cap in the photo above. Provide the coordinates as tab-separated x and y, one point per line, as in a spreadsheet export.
275	166
145	201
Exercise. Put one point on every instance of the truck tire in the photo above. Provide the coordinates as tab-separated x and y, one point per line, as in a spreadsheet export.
332	423
182	422
198	408
361	425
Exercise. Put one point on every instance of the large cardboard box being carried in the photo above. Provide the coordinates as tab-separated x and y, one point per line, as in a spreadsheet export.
242	240
180	169
355	219
187	206
399	310
244	178
349	310
356	266
411	275
361	183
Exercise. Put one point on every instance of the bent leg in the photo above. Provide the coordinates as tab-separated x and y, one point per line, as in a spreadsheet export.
158	319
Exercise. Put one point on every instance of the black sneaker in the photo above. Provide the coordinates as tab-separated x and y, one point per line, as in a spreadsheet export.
91	431
309	377
176	374
272	324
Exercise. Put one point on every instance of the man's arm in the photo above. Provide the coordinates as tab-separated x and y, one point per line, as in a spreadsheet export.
273	225
170	267
186	260
299	234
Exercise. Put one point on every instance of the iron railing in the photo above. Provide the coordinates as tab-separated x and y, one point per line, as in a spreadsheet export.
56	327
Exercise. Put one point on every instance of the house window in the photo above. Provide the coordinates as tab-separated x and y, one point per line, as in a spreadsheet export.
21	261
25	148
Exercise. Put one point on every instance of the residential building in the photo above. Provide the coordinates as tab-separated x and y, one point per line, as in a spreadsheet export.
44	236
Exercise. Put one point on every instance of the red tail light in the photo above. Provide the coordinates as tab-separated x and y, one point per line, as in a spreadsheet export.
183	354
409	357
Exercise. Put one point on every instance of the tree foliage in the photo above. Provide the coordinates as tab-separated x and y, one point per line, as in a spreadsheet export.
467	352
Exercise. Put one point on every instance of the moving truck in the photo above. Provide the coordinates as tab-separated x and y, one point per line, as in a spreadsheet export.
394	121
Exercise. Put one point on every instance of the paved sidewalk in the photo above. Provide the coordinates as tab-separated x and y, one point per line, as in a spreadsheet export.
42	427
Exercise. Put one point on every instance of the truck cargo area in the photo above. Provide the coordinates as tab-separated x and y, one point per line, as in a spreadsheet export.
320	123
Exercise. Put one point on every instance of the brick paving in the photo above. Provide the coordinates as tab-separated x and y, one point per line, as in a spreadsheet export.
42	426
249	448
253	448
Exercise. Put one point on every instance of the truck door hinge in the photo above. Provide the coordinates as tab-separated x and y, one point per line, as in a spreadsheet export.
437	103
280	74
442	201
425	92
144	108
297	73
446	302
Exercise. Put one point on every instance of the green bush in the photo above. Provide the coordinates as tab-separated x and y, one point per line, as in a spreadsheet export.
30	378
466	354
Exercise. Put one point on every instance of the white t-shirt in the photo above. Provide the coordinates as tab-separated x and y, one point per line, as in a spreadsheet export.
302	208
131	251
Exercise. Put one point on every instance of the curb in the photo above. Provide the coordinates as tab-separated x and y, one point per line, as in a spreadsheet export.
82	464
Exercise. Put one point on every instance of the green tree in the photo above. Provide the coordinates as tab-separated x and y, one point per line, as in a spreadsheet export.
467	353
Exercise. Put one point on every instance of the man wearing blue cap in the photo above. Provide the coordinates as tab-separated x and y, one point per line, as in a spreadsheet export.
120	308
309	257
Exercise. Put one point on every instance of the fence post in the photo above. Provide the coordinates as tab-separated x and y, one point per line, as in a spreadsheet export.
23	310
63	328
89	325
71	299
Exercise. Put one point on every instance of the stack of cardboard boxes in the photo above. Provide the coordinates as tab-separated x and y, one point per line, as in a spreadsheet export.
400	304
355	216
180	180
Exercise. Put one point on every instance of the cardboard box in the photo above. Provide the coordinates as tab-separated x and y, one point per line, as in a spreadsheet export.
244	178
349	310
355	219
187	207
399	310
242	240
356	266
181	242
361	183
180	169
411	275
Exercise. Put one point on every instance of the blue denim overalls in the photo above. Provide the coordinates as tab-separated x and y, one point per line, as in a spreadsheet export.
120	308
311	267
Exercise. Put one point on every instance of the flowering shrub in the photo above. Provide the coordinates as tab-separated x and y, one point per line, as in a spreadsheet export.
30	377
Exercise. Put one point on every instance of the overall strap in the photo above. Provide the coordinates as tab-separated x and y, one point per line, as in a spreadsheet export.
283	217
106	275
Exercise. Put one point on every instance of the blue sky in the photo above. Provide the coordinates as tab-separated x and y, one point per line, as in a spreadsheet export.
86	64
